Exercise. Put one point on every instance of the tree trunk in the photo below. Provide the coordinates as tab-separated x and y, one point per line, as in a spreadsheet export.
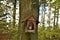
14	12
54	17
27	7
57	17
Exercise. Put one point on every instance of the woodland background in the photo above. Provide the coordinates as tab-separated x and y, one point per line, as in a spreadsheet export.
10	16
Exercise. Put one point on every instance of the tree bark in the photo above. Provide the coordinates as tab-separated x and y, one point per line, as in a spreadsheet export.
27	7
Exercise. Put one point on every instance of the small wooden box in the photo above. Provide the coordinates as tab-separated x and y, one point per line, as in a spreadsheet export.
30	23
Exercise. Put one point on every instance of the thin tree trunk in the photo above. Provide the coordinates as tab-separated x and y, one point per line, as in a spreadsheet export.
57	17
19	24
54	16
14	12
49	14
